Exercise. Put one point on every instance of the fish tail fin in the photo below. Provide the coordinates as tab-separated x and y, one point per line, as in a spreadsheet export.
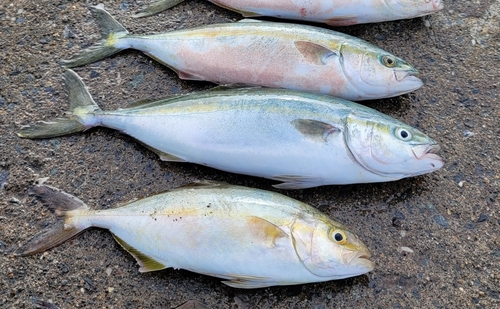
82	108
156	7
111	31
64	205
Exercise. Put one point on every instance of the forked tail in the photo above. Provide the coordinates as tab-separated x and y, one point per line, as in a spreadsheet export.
156	7
63	204
111	30
81	109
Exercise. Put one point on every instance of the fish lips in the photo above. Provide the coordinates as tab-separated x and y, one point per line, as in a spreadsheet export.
409	78
361	259
428	153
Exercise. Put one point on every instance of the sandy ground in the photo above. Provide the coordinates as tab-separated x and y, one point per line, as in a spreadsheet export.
449	219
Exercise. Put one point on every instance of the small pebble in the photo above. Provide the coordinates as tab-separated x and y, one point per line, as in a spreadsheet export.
14	200
482	218
441	220
110	290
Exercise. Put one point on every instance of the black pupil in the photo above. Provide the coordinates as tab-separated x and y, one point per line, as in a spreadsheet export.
338	237
404	134
390	61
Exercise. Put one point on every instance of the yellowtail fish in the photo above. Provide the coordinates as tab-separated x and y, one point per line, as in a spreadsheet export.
276	55
331	12
252	238
302	139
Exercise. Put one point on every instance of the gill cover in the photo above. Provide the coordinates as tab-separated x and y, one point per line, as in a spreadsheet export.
372	72
389	148
318	251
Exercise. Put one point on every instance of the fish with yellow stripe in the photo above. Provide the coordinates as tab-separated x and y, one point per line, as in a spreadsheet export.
276	55
300	139
249	237
331	12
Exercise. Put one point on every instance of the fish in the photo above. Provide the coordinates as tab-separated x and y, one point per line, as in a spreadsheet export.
301	139
269	54
330	12
251	238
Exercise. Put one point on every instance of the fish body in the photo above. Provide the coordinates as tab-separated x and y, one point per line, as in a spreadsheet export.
301	139
276	55
331	12
252	238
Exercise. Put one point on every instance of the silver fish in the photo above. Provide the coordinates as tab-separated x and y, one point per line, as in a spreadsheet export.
252	238
276	55
331	12
302	139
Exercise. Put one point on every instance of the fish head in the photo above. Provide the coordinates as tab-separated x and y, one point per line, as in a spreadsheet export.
330	250
375	73
413	8
390	148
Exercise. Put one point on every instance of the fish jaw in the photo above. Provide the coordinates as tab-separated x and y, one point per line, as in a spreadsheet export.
407	81
426	154
360	260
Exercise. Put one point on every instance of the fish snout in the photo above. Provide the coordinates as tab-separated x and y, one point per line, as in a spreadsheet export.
428	152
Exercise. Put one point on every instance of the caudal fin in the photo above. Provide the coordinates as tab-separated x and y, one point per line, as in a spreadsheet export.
111	30
81	105
156	7
62	203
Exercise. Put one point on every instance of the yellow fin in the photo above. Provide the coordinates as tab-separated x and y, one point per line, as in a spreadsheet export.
264	230
145	262
315	53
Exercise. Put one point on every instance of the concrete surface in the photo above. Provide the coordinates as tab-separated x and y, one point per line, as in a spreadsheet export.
449	220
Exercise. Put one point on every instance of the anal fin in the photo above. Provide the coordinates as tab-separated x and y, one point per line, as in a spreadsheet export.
343	21
164	156
145	262
295	182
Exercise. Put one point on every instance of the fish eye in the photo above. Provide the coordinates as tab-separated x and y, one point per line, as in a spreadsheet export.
403	134
339	237
389	61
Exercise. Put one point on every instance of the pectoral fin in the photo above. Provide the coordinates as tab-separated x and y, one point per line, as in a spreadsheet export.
314	129
145	262
265	231
315	53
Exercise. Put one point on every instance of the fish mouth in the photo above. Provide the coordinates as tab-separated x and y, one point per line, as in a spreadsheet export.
424	151
402	75
428	152
409	79
363	259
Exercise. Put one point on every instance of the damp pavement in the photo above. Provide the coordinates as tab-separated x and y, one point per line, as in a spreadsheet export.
434	238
